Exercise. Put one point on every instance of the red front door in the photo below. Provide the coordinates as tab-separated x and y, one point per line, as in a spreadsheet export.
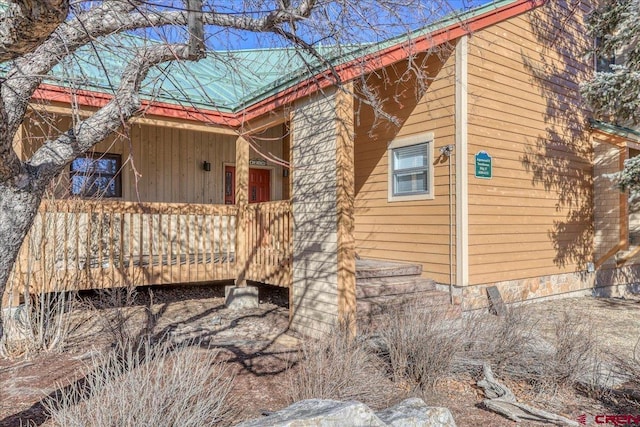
259	185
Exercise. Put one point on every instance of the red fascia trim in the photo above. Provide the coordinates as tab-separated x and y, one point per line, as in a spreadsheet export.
88	98
318	82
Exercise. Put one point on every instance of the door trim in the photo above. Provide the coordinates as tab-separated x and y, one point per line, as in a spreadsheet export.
271	170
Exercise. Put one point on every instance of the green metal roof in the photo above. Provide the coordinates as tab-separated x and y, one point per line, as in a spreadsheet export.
226	81
613	129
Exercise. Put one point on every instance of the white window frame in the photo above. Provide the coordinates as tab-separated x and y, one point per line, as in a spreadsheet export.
406	142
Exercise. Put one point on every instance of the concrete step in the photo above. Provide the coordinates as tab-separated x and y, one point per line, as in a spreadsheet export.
374	306
374	287
373	268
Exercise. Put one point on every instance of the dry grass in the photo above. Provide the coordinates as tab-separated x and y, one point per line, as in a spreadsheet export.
421	344
514	347
575	352
41	325
498	340
628	370
155	385
339	367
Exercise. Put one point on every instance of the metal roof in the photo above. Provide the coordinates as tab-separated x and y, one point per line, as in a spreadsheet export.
226	81
615	129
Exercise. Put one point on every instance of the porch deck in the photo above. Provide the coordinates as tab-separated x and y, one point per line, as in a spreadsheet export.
95	245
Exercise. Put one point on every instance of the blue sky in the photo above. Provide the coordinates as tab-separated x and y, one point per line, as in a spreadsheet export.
385	23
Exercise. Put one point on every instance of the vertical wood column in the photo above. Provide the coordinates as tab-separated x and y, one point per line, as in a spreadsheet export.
345	190
242	200
322	203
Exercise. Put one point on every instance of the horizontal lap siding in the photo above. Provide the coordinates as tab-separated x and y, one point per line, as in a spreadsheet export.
606	200
411	231
534	217
315	237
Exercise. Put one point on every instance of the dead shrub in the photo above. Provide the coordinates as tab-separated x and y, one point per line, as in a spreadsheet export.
561	361
339	367
115	307
515	348
498	340
42	324
124	316
626	370
155	385
575	350
422	344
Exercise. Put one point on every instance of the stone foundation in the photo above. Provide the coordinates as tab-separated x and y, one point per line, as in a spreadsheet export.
614	282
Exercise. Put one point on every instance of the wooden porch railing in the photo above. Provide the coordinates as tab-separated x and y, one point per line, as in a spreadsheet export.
269	246
90	245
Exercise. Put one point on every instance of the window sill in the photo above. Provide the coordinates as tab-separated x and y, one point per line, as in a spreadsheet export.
410	198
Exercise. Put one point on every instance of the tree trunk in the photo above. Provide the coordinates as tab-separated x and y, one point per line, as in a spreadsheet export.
18	208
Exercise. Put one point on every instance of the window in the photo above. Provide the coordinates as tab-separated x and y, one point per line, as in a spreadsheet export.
410	170
97	175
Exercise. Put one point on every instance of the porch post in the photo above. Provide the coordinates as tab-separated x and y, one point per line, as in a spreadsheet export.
323	289
345	193
242	199
241	296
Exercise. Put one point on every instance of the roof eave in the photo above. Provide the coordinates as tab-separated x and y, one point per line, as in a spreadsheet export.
293	90
615	130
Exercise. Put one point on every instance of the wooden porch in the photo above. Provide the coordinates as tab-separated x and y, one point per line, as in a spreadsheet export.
79	244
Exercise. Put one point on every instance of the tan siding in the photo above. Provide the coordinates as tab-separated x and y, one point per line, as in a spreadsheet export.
315	233
414	231
607	160
165	163
534	216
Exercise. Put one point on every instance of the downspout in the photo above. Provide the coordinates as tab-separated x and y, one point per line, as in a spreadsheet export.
446	151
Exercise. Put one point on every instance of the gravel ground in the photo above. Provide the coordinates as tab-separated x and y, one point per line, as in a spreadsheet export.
255	342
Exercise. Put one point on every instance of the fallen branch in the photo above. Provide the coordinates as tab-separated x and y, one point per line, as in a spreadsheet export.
502	401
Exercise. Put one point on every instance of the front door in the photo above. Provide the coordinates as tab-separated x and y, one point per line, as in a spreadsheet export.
259	185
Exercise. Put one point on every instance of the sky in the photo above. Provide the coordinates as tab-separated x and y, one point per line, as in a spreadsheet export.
364	22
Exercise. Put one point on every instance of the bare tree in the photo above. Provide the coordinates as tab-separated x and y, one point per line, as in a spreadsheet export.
38	35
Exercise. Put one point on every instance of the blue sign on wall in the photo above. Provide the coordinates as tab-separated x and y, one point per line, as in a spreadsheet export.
484	168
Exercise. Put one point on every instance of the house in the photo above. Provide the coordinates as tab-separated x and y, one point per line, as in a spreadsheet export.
478	164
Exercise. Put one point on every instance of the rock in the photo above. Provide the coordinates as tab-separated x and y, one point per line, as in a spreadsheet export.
320	413
415	413
240	298
329	413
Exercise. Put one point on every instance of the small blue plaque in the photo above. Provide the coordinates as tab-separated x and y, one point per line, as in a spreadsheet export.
484	167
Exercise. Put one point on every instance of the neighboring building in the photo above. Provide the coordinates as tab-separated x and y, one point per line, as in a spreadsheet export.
489	174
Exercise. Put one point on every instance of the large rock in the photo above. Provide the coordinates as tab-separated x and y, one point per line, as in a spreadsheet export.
321	413
415	413
332	413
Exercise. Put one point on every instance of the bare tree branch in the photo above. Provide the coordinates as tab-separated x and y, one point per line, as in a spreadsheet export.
55	155
29	70
25	24
10	164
